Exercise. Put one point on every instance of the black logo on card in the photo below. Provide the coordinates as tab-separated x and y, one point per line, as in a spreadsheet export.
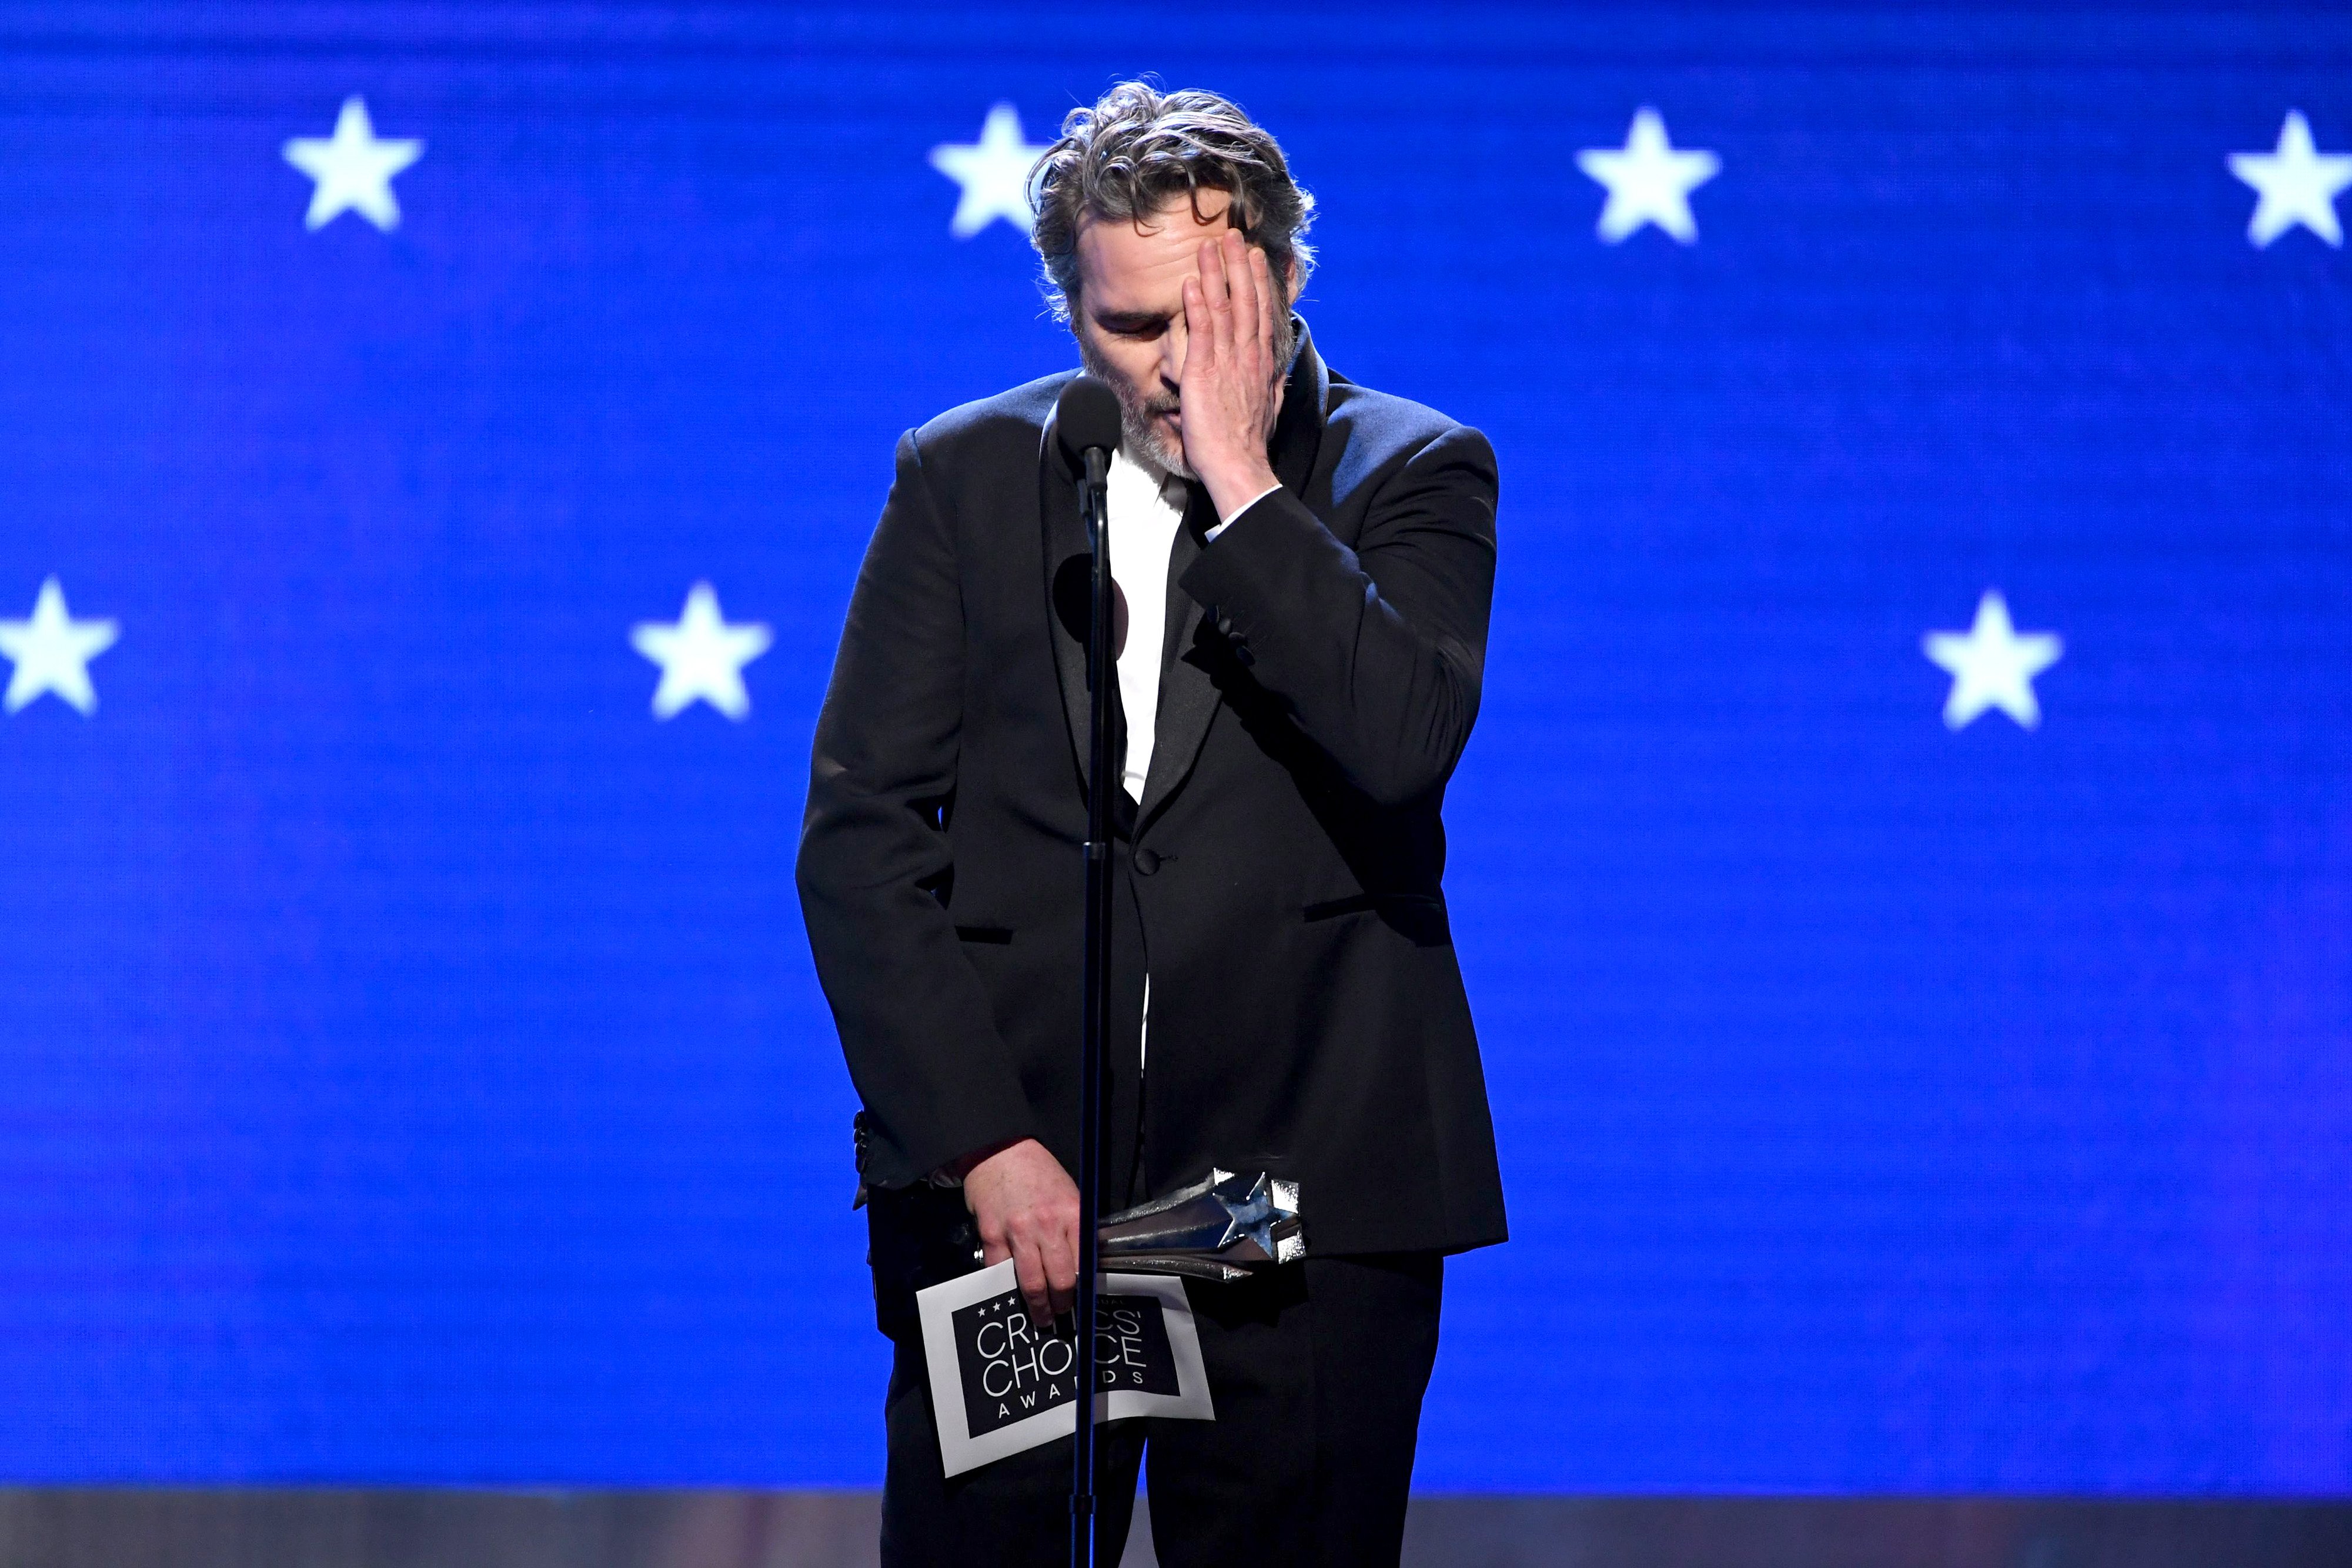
1012	1369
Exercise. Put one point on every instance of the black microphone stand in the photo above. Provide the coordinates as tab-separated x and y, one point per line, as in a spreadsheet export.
1094	1034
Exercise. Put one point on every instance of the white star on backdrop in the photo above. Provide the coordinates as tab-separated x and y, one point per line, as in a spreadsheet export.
353	169
1992	666
701	656
52	653
2297	182
1649	181
993	173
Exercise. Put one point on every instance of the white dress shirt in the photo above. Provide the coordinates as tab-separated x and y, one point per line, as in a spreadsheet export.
1145	513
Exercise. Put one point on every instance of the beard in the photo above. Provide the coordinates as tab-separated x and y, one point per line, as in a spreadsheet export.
1142	437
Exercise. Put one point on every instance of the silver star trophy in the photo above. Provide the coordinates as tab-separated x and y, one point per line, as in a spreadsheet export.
1223	1228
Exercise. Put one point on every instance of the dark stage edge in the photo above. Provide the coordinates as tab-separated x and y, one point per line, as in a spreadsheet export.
123	1528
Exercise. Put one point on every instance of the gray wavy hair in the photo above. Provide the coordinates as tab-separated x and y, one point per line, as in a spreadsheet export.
1137	147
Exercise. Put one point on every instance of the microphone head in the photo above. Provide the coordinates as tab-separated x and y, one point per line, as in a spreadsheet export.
1086	415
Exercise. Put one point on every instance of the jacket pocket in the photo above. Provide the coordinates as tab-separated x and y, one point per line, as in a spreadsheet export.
1418	917
987	936
1333	908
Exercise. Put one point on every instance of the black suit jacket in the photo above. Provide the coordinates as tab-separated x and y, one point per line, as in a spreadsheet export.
1280	876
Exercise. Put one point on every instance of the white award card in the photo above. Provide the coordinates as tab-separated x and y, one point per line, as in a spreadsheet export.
1000	1384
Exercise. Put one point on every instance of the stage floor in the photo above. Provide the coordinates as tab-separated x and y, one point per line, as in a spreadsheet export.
113	1528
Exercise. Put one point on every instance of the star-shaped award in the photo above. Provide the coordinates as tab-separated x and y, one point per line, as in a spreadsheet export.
1221	1228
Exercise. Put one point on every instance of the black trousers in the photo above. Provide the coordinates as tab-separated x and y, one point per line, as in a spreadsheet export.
1316	1370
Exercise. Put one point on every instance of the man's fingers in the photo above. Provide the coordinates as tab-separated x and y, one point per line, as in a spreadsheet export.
1249	307
1241	283
1217	286
1213	281
1029	1270
1261	278
1199	337
1061	1262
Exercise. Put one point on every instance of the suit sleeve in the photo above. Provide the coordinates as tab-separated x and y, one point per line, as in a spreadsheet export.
1378	651
915	1022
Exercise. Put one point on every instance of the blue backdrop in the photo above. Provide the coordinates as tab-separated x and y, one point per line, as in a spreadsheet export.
1917	1066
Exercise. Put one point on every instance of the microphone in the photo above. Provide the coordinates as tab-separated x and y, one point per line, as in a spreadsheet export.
1087	419
1086	424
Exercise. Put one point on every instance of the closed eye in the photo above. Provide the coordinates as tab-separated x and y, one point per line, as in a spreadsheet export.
1137	326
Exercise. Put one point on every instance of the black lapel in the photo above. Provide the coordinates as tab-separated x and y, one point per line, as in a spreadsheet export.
1065	542
1188	698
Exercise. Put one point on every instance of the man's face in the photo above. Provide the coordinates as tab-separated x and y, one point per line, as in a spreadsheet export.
1130	316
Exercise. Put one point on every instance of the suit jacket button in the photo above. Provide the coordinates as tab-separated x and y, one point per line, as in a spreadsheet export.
1242	656
1225	624
1146	862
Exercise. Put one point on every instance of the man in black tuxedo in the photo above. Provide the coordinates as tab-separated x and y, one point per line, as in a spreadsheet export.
1316	559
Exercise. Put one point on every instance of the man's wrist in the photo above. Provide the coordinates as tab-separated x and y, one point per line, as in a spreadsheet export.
952	1173
1232	492
1209	535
